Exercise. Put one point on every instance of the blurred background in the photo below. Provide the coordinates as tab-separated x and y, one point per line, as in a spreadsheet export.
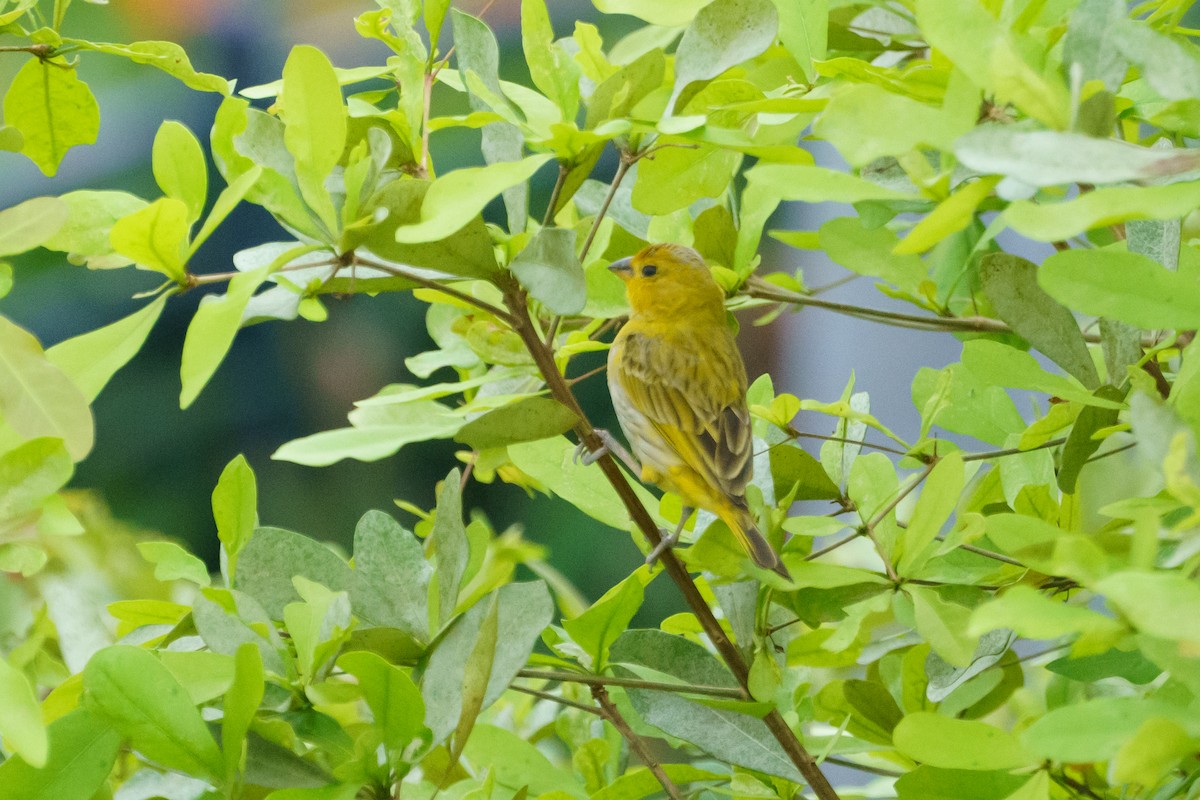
156	466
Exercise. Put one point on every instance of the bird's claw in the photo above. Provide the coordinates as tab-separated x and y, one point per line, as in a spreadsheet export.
669	540
588	457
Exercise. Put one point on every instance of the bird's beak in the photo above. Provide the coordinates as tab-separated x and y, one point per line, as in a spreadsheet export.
623	268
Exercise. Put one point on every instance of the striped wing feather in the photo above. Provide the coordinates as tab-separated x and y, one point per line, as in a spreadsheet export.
692	387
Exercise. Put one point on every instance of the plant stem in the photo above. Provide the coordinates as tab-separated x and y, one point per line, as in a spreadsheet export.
515	300
562	701
1013	451
830	548
881	515
979	551
426	102
632	683
795	434
636	743
429	283
627	160
548	219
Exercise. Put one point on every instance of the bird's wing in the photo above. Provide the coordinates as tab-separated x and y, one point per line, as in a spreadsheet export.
693	389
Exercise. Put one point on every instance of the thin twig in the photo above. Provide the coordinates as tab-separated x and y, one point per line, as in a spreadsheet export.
631	683
586	375
1112	452
563	171
979	551
627	160
795	434
428	283
842	762
636	743
830	548
556	699
426	103
203	279
1013	451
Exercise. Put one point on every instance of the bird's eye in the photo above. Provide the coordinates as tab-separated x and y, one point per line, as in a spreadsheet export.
649	270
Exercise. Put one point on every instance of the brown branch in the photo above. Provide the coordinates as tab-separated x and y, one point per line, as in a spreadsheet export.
515	300
630	683
636	743
627	161
881	515
563	170
830	548
555	699
1013	451
429	283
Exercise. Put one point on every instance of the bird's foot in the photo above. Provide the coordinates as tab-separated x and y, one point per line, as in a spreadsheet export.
669	540
608	446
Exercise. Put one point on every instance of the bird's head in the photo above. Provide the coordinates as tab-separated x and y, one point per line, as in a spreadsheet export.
665	280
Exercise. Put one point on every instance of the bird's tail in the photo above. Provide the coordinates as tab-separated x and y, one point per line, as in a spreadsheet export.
741	522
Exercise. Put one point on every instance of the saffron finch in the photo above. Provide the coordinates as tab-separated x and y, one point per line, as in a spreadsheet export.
678	385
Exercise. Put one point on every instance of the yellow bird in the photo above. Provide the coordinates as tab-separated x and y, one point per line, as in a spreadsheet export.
678	385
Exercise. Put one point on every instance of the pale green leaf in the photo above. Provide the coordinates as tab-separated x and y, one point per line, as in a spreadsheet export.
1001	365
1151	601
939	496
456	197
179	167
91	359
273	556
959	743
30	224
83	749
171	562
235	508
523	421
53	110
393	698
37	398
143	701
212	331
944	625
1095	730
723	34
804	31
167	56
21	723
669	13
240	706
314	119
89	222
865	122
598	627
1125	286
549	269
155	237
682	173
1053	222
1036	616
870	252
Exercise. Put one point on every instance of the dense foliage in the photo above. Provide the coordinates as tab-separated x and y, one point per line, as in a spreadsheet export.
1010	612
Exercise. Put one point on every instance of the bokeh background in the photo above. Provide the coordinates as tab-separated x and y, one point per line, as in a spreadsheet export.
156	465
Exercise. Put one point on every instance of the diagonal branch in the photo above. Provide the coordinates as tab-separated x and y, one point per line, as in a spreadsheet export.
636	743
515	300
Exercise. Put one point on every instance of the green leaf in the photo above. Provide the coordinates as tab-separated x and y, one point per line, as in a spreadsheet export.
1167	65
670	13
467	252
144	702
769	184
28	225
682	173
1081	445
1126	286
1054	222
950	216
391	576
314	119
551	68
598	627
171	562
943	625
83	749
241	704
617	94
930	783
958	743
273	556
723	34
1010	283
1095	730
415	422
89	222
865	122
450	546
549	269
212	331
518	764
870	252
551	463
727	735
1131	665
955	399
155	237
526	420
1151	600
235	508
1001	365
224	633
21	723
939	496
167	56
1157	746
393	698
179	167
804	31
91	359
456	197
226	202
30	473
525	609
1036	616
53	110
36	398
